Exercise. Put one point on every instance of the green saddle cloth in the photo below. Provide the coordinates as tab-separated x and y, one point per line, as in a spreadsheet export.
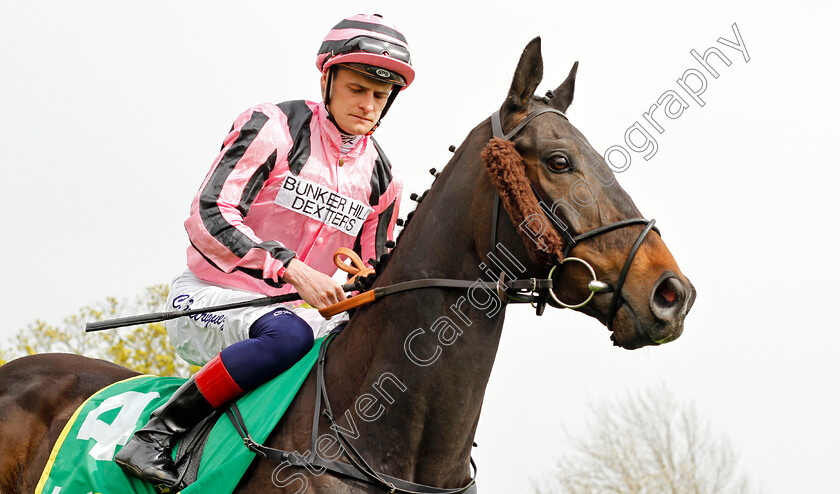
81	461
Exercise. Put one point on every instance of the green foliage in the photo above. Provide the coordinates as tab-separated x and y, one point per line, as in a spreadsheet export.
145	348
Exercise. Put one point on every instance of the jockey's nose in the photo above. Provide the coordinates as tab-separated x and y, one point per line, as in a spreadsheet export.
366	101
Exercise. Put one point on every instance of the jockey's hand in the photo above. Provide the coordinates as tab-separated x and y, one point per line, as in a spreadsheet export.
314	287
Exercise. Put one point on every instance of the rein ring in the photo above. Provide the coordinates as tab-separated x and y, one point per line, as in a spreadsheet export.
594	286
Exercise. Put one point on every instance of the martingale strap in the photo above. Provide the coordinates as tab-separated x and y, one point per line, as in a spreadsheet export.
358	468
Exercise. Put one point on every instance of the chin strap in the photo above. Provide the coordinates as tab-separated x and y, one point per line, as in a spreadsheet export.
327	92
391	97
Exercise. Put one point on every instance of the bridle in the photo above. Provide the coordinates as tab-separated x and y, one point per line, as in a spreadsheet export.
571	240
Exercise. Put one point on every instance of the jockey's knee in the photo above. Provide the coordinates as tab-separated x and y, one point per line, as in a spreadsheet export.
285	335
277	341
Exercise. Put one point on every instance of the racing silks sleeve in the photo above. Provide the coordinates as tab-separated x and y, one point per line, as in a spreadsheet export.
215	226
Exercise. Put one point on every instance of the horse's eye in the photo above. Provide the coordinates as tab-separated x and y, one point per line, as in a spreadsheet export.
557	163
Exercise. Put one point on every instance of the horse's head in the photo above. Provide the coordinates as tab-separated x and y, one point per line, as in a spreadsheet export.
646	296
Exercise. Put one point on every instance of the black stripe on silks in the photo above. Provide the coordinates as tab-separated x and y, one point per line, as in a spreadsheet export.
209	261
299	117
254	273
382	229
254	185
377	28
223	144
381	177
277	251
357	245
258	274
236	241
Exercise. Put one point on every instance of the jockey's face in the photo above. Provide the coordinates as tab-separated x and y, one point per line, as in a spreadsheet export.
356	101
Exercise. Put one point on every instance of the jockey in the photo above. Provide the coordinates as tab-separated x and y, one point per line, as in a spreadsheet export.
293	183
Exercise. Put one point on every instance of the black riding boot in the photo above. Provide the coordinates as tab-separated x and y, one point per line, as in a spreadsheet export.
148	455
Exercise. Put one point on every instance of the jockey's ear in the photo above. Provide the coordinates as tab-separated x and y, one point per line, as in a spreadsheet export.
324	86
528	75
565	93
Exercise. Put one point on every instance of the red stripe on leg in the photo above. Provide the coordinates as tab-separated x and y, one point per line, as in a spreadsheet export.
215	383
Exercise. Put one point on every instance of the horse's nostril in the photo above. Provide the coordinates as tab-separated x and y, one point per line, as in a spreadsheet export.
667	299
665	295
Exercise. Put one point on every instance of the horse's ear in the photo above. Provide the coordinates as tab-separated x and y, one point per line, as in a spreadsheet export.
527	77
565	92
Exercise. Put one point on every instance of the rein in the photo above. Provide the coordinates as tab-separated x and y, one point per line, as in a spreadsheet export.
507	290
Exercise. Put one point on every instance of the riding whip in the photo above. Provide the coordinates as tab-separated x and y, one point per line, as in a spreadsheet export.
165	316
357	269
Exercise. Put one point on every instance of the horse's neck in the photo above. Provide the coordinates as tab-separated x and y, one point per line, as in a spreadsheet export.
422	359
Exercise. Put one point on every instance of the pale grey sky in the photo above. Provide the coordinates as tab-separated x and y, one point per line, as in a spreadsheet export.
111	112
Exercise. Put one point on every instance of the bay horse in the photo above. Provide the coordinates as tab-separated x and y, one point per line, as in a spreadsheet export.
412	368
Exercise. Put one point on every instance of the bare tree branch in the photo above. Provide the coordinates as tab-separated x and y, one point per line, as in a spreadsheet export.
647	442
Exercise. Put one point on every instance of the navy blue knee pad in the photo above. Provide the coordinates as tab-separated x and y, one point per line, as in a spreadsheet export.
277	341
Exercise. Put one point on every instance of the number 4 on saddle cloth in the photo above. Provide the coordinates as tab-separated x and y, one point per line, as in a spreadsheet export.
81	461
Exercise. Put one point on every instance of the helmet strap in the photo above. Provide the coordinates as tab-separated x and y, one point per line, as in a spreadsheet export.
327	91
329	86
391	97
